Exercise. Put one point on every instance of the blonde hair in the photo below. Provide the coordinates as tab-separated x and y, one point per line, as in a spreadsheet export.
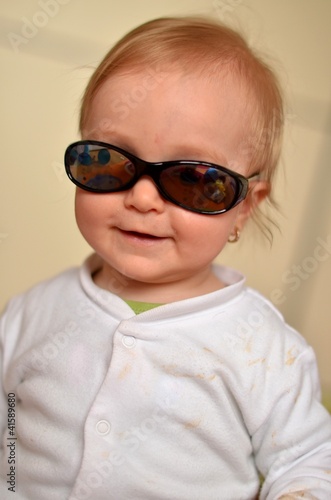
207	47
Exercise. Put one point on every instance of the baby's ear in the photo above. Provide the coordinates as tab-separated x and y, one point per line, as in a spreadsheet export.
258	191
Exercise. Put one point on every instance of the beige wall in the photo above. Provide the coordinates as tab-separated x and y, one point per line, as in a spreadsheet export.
46	50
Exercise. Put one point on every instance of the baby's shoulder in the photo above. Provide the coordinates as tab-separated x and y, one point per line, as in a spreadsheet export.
260	318
42	295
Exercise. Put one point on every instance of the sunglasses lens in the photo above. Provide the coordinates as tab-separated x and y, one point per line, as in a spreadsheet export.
98	168
200	187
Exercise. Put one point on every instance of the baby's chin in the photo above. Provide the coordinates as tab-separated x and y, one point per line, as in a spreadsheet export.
156	284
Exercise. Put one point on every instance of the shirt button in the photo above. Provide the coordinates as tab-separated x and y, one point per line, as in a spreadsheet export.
103	427
128	342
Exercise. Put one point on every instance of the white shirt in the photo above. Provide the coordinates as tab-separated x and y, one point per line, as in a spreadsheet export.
187	401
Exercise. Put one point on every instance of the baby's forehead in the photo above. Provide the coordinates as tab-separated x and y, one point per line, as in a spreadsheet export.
169	89
135	84
187	114
218	79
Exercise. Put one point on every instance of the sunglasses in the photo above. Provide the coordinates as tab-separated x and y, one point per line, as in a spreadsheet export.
197	186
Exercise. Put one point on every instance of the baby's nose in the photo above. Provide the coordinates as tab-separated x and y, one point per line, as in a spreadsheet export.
144	196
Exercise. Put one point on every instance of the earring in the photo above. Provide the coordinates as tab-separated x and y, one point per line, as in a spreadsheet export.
234	237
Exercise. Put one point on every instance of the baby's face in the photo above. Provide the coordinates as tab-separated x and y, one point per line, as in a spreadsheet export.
139	235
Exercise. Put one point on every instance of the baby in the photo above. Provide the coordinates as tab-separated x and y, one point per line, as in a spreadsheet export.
139	375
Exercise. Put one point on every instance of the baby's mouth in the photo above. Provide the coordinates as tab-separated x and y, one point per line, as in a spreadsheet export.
142	235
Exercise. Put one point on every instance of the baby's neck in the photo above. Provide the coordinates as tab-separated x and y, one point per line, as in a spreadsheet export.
159	292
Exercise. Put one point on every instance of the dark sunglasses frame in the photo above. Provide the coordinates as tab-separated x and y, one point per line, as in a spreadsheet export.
154	169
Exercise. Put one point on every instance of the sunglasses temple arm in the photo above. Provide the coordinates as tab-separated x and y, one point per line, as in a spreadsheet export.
254	177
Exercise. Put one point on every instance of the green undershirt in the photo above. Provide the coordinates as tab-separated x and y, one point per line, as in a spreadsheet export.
140	307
